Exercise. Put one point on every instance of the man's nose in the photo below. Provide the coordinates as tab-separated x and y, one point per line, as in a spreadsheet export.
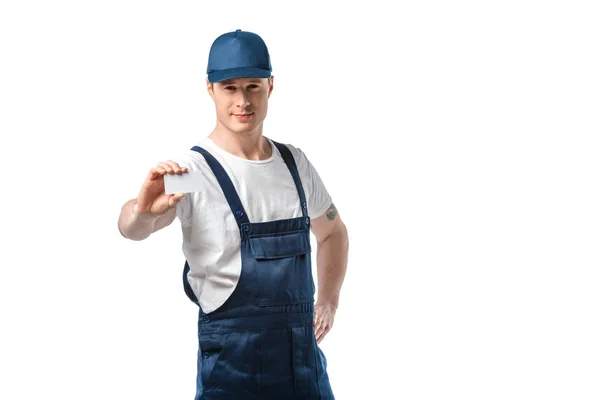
242	100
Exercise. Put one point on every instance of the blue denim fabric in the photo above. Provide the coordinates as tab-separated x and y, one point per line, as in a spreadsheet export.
260	344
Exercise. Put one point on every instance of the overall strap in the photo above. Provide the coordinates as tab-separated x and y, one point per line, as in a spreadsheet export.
291	164
226	185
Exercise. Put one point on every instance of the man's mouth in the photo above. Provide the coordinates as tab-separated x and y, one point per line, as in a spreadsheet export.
243	116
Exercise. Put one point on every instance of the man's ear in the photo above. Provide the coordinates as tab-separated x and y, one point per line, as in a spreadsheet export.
271	79
210	89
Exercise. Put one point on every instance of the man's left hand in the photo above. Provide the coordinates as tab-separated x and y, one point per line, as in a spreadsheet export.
324	315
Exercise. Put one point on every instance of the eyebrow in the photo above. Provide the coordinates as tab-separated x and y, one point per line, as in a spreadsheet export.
230	81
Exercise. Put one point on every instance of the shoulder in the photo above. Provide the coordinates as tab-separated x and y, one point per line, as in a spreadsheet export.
299	156
192	159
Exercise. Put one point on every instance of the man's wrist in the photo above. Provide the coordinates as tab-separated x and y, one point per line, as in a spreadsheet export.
331	300
143	216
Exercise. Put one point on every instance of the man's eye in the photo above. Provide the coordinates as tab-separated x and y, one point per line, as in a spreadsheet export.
229	87
252	86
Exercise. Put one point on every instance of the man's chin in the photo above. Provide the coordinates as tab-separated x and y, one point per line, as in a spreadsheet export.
243	128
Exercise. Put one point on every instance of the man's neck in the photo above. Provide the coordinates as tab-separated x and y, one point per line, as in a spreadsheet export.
251	146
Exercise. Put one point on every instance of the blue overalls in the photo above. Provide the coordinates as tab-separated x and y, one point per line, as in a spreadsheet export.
260	344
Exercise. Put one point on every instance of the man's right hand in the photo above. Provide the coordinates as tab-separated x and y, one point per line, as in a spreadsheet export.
152	200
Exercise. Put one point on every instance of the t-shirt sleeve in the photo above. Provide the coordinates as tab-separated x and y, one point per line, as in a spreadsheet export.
317	197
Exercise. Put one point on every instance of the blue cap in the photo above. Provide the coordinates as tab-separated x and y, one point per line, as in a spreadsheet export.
238	55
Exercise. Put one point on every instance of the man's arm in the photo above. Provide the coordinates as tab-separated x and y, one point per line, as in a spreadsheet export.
152	209
332	260
137	226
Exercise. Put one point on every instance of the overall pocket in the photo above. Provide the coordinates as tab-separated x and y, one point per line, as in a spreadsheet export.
231	364
283	265
212	347
281	245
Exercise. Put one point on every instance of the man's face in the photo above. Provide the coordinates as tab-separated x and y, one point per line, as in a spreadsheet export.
241	103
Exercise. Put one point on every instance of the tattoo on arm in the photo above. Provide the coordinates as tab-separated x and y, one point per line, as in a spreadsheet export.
332	212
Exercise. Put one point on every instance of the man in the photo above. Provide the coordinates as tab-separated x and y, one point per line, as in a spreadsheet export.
246	239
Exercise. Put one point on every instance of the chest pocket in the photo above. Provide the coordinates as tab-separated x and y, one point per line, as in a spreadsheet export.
282	264
289	244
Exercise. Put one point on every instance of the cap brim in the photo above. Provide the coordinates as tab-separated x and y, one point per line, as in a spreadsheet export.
246	72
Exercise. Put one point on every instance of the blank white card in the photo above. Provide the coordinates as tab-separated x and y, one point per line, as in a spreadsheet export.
186	182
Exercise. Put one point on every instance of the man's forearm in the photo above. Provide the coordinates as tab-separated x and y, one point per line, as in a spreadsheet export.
134	226
332	260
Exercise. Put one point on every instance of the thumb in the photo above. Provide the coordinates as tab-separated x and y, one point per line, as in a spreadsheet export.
174	199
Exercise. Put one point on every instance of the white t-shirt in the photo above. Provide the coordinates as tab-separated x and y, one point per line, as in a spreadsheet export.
211	237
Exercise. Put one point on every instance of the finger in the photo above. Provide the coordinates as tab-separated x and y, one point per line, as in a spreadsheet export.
322	330
318	327
166	167
319	337
176	168
326	328
174	199
157	171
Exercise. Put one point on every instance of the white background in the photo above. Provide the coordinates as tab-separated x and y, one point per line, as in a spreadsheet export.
459	141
